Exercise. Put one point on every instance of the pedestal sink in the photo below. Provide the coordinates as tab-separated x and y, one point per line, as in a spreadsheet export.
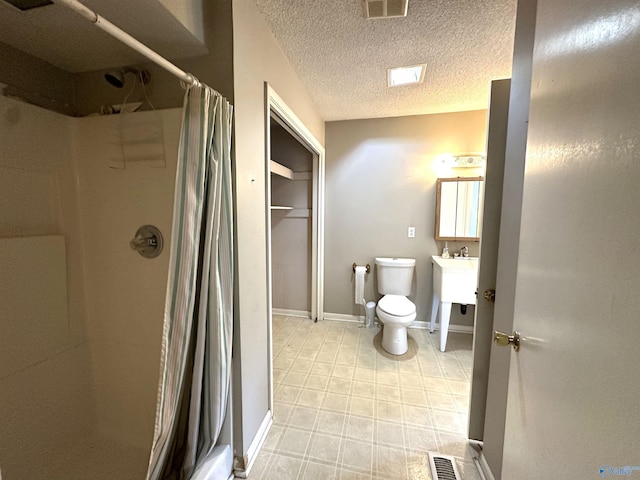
455	280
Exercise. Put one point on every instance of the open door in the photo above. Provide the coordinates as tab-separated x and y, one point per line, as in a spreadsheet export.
489	243
572	407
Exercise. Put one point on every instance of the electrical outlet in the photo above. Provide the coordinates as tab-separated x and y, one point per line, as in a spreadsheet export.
411	232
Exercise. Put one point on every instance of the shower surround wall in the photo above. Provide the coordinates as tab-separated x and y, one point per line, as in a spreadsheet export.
45	383
85	392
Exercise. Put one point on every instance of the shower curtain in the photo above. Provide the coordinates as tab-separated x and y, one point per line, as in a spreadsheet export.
198	316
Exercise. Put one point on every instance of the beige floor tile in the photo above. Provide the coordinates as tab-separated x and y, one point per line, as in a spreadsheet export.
390	412
363	389
302	417
344	410
389	393
317	382
449	421
363	407
318	471
459	387
293	442
339	385
357	455
325	447
346	474
282	467
319	368
391	462
294	378
422	439
330	422
301	366
416	416
363	374
335	402
390	434
360	428
311	398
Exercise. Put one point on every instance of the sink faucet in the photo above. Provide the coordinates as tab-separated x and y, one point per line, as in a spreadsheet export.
464	251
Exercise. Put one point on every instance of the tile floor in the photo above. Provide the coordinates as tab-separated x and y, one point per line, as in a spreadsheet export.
344	409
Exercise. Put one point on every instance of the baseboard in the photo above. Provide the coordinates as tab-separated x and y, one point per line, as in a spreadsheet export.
253	450
419	324
422	324
291	313
484	468
342	317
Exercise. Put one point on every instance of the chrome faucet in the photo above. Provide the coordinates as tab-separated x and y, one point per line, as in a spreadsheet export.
464	251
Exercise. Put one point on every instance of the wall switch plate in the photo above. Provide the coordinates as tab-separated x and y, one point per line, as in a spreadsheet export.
411	232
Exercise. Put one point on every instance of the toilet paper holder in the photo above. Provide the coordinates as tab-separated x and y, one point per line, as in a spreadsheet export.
355	265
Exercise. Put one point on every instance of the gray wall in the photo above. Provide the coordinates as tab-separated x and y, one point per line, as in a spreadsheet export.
214	69
257	58
290	232
380	179
36	81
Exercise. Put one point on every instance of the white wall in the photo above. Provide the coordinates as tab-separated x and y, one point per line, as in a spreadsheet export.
125	291
45	378
380	180
257	58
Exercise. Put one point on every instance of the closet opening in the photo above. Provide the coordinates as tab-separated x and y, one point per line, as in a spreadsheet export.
294	170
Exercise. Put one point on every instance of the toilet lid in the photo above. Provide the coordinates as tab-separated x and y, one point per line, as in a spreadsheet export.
397	305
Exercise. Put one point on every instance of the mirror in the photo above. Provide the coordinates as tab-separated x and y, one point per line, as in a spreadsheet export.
459	208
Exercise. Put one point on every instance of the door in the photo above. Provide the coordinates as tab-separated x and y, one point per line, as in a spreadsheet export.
572	405
483	322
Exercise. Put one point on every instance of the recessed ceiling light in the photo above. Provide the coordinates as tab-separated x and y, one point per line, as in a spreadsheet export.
406	75
385	8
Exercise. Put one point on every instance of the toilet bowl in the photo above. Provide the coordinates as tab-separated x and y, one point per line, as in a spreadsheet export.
395	311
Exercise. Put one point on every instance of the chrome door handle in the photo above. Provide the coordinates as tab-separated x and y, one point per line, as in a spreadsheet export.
504	340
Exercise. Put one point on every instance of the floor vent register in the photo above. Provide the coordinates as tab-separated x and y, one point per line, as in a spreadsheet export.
443	467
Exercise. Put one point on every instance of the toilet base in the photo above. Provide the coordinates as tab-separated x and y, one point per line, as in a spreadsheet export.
394	339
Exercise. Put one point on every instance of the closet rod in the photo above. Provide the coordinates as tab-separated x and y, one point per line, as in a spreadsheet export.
108	27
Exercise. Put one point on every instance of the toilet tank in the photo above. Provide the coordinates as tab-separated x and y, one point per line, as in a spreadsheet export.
395	275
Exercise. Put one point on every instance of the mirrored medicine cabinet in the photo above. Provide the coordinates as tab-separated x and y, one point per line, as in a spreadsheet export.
459	208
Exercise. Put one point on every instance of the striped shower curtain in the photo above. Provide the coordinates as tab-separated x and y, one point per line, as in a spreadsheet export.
197	335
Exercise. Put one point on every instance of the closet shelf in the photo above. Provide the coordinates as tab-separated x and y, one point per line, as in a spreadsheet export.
285	172
280	207
280	170
290	212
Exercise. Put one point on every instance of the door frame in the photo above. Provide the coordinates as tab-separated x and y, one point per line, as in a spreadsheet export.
274	104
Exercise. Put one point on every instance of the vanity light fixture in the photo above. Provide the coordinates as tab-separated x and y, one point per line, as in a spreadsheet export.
467	160
406	75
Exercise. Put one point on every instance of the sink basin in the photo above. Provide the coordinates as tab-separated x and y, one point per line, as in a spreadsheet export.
455	280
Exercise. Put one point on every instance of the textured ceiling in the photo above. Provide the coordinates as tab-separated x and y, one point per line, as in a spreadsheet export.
342	58
68	41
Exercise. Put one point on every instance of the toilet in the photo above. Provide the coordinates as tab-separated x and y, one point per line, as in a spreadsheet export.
395	311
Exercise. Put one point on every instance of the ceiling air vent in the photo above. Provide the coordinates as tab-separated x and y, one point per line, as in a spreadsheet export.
385	8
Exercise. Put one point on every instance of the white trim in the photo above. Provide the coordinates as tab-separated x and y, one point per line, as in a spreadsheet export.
256	445
423	324
341	317
275	104
418	324
278	106
291	313
485	470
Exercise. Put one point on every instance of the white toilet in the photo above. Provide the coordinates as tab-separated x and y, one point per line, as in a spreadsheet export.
395	310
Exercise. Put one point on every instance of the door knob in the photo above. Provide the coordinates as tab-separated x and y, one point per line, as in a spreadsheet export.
490	295
504	340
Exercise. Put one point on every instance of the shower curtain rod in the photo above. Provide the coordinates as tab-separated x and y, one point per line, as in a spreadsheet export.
108	27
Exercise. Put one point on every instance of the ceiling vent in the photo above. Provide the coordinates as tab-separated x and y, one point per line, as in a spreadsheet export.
385	8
